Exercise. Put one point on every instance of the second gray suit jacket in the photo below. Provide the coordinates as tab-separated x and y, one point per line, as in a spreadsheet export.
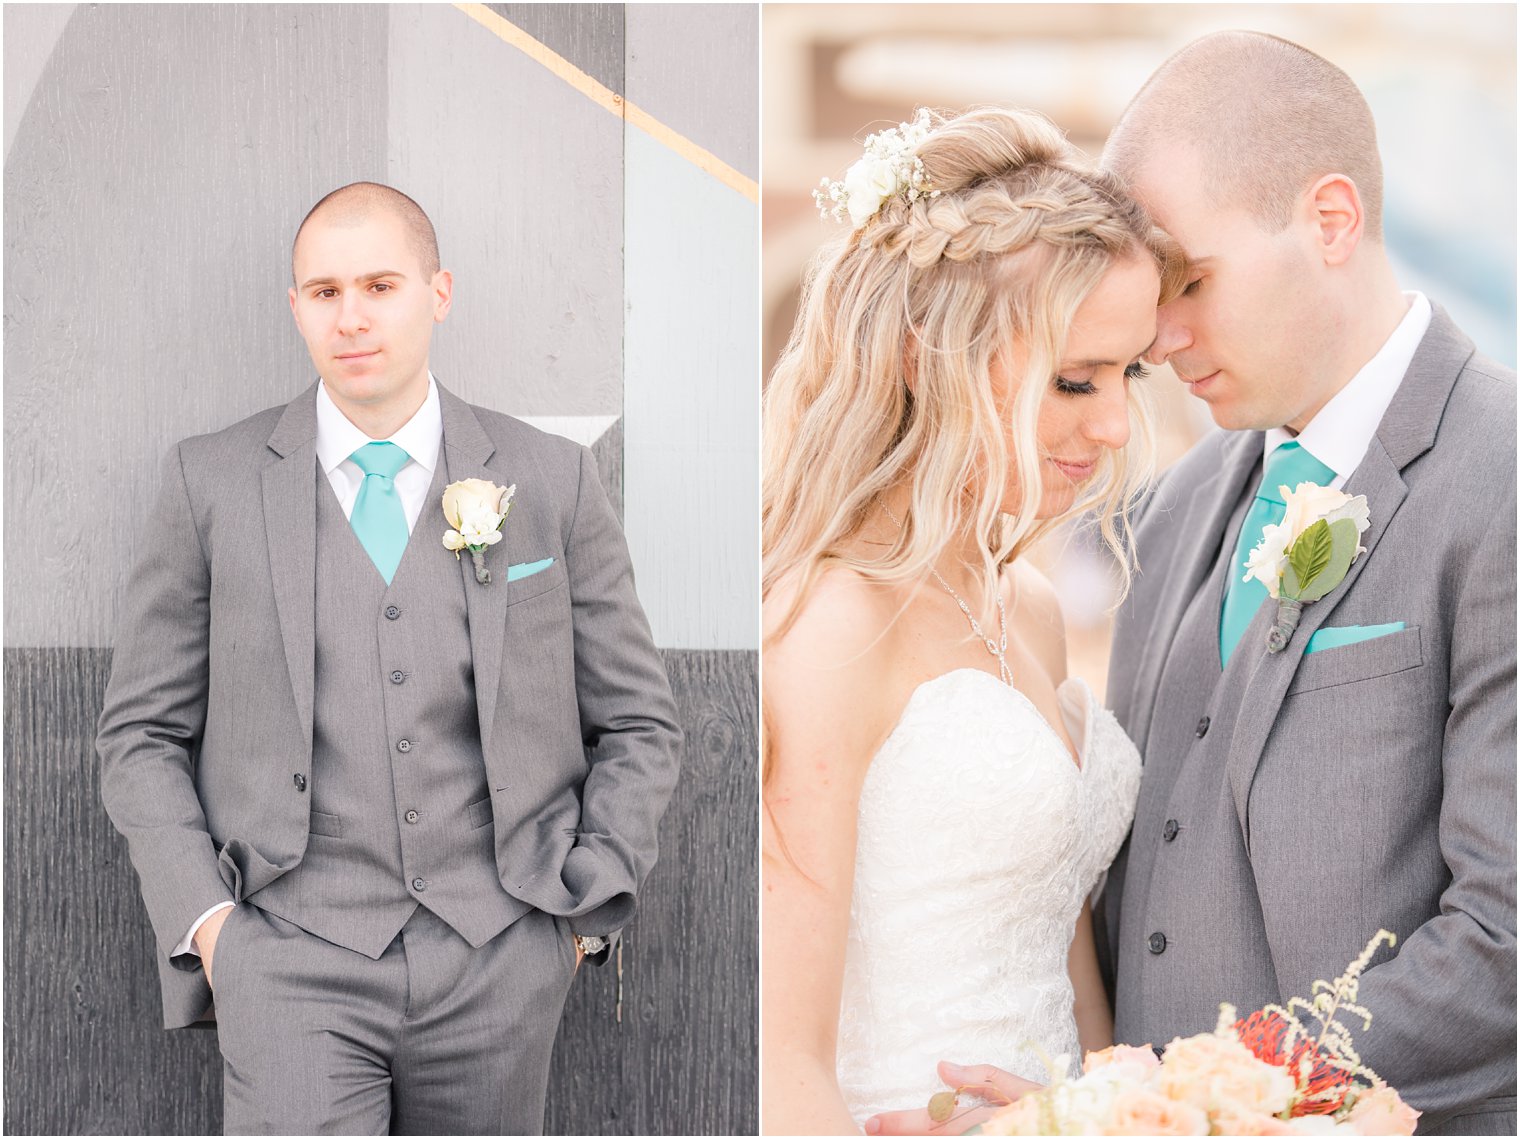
206	735
1363	787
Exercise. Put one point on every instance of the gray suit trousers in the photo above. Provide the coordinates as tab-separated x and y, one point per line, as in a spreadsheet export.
434	1038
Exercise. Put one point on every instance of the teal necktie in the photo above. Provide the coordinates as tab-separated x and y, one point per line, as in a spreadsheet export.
1287	466
377	518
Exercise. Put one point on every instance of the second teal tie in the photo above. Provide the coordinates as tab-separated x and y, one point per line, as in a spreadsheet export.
1287	466
378	518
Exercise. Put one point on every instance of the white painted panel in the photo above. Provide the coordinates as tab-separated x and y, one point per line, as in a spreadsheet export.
691	400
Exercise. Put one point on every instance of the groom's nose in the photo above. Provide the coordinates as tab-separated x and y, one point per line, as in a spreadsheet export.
351	315
1172	335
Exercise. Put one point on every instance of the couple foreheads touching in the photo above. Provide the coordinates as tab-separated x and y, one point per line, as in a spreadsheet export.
970	866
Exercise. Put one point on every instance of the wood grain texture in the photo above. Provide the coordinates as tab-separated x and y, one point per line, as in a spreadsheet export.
83	1050
587	35
523	177
151	195
690	66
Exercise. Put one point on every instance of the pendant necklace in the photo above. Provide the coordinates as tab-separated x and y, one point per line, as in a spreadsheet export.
999	647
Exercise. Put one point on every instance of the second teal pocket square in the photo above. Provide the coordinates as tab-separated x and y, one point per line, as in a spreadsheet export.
1349	635
527	569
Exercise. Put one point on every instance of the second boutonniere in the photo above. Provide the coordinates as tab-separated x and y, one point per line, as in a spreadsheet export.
1308	553
477	510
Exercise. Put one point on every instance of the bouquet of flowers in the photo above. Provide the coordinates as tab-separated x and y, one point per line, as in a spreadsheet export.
1283	1070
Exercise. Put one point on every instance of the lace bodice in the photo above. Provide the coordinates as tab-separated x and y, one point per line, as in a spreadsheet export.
978	840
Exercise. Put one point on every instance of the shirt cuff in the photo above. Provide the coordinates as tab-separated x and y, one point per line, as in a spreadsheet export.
187	944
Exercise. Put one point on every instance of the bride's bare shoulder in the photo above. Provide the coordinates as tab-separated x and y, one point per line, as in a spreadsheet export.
829	620
827	650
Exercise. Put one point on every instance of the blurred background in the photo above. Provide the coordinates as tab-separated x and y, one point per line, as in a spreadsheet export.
1440	79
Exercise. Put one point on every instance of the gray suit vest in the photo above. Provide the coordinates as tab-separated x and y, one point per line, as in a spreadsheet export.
1188	903
400	809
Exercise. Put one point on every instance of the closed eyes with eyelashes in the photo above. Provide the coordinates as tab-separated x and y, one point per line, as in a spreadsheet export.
1135	371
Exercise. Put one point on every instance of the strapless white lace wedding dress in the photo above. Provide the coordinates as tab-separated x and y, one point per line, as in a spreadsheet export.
978	841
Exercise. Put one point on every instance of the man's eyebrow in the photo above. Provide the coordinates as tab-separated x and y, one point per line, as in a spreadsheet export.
366	279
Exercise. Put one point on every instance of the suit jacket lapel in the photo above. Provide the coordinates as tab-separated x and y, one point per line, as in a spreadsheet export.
468	449
290	530
1208	514
1407	431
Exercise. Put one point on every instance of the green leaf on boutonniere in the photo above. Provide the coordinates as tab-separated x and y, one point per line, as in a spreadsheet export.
1343	546
1309	557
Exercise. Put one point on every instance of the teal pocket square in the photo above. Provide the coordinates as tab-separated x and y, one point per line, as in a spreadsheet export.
528	569
1350	635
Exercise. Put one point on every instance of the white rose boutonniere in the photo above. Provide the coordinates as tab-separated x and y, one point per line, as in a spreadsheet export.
477	510
1308	553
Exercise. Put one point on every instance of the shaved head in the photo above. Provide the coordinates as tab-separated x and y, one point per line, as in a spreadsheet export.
351	204
1266	119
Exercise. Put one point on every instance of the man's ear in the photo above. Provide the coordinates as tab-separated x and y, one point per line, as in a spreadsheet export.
293	311
1335	211
443	294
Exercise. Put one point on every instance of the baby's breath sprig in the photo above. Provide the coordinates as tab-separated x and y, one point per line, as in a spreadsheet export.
1317	1049
890	166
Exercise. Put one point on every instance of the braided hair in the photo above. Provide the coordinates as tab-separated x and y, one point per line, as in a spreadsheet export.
885	379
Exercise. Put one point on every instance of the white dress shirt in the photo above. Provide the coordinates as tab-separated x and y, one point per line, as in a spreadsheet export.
1341	432
421	437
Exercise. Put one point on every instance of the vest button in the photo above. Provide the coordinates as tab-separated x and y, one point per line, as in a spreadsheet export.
404	746
392	612
412	816
1169	831
1158	943
419	885
300	782
397	676
1203	728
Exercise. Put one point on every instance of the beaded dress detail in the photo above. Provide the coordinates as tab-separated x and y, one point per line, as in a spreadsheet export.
978	841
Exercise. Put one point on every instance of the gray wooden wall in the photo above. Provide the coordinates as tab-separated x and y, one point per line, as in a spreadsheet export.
157	160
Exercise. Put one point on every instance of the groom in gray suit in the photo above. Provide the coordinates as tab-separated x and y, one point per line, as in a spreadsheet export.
377	803
1295	802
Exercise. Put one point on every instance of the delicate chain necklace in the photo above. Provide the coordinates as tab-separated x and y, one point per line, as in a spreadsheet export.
999	647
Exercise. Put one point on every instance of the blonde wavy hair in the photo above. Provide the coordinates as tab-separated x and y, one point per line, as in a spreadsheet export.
1019	234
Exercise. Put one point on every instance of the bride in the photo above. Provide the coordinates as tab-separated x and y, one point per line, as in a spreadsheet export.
939	797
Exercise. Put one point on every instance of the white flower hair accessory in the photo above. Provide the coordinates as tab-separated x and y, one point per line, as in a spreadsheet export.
890	166
1308	553
477	510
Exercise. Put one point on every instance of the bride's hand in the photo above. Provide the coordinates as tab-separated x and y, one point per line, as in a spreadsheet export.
980	1080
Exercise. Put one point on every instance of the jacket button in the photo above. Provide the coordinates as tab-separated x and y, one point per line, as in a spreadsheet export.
412	816
404	746
1203	728
398	676
419	885
300	782
1158	943
1169	831
392	612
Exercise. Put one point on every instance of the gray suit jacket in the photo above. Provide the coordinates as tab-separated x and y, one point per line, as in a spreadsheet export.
206	735
1364	787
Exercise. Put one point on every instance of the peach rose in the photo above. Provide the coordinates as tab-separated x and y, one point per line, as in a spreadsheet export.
1142	1058
1141	1111
1381	1112
1220	1073
1227	1122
